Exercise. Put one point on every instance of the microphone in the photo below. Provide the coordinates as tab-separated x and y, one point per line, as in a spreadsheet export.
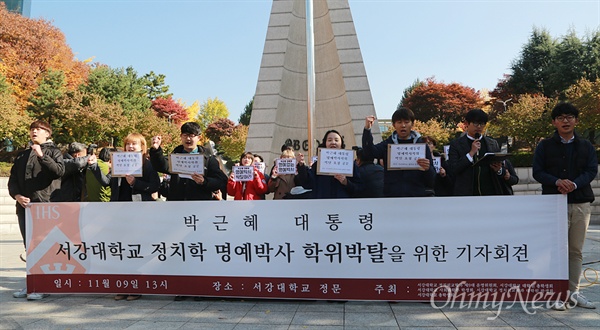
477	138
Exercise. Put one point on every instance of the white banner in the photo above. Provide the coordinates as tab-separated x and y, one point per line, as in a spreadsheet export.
475	238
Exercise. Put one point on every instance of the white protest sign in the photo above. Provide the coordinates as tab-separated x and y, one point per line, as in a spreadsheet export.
260	166
437	163
186	163
404	156
335	161
126	163
286	166
243	173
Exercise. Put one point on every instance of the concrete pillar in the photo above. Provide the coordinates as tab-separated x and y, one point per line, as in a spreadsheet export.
343	97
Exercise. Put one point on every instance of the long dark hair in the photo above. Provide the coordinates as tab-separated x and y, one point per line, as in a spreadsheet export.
324	141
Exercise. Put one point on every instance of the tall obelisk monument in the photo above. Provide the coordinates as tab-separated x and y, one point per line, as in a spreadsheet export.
342	94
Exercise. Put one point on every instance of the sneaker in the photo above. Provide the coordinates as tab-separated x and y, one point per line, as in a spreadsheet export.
134	297
21	293
37	296
120	297
582	301
559	306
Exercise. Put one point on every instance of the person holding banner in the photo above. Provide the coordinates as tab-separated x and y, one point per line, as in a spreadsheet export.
566	164
471	178
416	181
326	185
127	188
196	186
35	178
252	186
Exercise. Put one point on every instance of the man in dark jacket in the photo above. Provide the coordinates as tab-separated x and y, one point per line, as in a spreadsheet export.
196	186
566	164
471	178
371	174
35	177
72	182
401	183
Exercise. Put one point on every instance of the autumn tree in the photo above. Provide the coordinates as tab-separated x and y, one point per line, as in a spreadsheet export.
210	111
433	129
88	118
31	47
246	114
220	128
149	124
527	121
192	110
445	103
234	145
585	95
169	109
13	123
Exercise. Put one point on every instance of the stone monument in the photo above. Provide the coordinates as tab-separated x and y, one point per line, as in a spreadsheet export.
342	94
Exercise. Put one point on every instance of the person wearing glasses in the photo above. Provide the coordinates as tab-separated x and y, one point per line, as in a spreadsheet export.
470	177
566	164
197	186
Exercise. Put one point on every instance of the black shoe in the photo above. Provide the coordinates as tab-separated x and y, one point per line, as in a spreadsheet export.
180	298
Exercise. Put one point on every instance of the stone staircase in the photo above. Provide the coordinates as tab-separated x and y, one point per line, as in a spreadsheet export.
8	218
527	186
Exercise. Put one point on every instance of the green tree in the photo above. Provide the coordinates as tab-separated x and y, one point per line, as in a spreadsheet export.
43	102
527	121
568	65
591	61
530	72
122	86
210	111
155	86
409	90
247	113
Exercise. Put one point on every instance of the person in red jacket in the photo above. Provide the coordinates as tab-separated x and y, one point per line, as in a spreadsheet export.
247	190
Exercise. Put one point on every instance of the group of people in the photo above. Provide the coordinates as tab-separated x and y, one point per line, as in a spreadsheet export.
563	164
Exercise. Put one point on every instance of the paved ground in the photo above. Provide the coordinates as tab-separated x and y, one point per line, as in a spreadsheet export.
158	312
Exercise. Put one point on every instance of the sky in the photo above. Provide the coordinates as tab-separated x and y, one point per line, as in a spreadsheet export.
213	48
